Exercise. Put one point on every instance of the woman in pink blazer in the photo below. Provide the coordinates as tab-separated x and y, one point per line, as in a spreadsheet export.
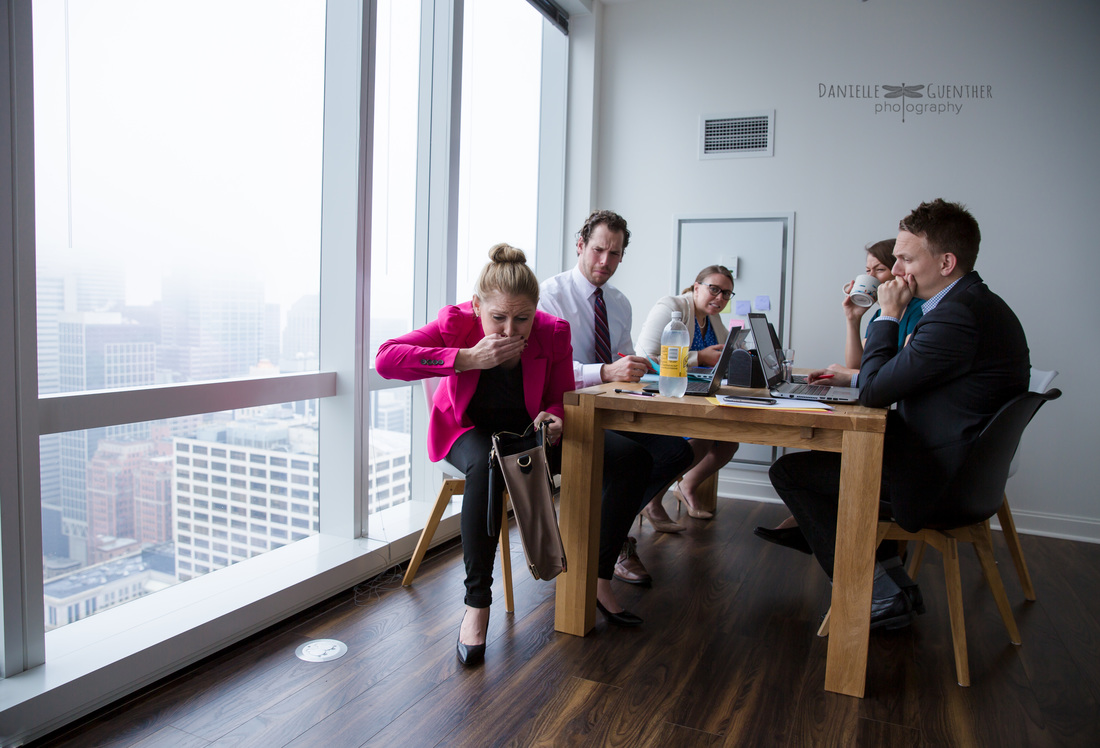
504	364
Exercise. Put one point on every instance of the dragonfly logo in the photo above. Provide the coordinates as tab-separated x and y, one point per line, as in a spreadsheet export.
903	92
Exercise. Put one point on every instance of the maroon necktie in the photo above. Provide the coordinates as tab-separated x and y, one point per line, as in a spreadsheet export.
603	338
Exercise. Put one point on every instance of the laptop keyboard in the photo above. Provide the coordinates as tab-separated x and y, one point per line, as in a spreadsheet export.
807	389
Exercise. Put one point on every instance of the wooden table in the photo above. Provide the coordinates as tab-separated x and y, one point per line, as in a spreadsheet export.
854	431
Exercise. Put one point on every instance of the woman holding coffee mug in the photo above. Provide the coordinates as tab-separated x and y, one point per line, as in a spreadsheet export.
880	260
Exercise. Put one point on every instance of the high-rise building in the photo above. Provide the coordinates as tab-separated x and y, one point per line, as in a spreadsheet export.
96	350
389	469
211	327
273	322
77	288
51	303
153	499
390	410
302	335
111	479
243	487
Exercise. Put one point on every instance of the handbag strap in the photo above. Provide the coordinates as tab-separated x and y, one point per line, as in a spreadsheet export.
543	429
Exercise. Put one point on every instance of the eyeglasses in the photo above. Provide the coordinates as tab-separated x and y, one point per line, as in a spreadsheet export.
716	291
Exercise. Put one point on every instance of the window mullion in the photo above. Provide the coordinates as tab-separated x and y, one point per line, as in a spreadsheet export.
22	639
437	184
345	223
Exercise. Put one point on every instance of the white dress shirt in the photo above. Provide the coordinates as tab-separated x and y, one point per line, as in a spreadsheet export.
572	297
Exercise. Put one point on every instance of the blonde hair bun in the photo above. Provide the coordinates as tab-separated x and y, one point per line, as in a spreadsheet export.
506	253
507	272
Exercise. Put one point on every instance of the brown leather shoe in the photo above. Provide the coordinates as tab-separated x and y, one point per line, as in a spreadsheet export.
629	567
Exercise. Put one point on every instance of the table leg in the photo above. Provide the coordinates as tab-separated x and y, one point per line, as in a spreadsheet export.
581	491
706	496
853	567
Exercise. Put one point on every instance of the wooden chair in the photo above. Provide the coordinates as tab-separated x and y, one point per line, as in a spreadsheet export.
454	484
979	492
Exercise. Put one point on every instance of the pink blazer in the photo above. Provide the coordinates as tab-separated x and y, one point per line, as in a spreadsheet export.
430	352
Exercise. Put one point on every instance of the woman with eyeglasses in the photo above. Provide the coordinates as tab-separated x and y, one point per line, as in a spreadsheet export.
699	306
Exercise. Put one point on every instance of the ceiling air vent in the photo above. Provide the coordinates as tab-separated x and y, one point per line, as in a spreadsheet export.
737	136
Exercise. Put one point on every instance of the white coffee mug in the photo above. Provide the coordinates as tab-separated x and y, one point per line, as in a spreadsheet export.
864	291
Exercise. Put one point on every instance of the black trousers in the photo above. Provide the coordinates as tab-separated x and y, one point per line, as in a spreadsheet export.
470	454
809	484
635	468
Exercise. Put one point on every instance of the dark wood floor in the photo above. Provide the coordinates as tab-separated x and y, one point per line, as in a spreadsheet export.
727	656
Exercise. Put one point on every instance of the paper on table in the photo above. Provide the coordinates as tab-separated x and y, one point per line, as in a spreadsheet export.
784	404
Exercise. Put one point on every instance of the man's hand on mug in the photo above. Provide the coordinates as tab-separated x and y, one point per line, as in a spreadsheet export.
625	369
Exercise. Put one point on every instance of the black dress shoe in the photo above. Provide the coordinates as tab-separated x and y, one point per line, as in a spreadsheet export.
791	537
470	654
622	618
894	612
909	587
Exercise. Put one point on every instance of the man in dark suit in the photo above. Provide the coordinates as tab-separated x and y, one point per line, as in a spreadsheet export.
965	359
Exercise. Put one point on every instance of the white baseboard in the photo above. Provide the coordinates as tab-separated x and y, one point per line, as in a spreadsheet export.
754	485
1055	526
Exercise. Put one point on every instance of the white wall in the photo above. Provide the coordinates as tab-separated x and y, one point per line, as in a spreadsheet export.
1025	161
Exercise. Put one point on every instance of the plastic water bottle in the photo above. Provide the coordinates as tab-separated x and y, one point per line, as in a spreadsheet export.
674	354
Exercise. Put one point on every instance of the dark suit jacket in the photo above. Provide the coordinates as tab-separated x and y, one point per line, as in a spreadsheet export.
965	359
430	352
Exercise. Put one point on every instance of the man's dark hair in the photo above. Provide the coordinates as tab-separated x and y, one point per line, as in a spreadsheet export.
612	220
948	227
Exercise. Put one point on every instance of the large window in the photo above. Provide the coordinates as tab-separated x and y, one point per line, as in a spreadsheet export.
209	242
178	193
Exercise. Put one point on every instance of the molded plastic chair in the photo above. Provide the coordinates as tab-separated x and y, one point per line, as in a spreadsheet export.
978	490
1040	382
454	483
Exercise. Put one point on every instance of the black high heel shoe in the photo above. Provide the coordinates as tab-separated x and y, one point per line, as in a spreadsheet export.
470	654
622	618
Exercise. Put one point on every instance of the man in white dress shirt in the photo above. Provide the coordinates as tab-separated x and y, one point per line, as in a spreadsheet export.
637	467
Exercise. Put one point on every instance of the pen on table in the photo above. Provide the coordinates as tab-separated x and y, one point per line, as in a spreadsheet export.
635	392
652	363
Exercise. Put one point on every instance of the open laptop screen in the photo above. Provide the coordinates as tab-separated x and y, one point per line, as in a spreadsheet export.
770	362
